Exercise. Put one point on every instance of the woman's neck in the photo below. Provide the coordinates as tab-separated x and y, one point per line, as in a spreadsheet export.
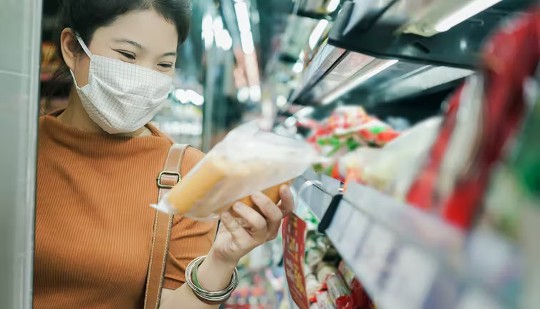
76	116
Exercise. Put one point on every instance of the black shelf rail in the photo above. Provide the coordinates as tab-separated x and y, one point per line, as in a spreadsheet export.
458	47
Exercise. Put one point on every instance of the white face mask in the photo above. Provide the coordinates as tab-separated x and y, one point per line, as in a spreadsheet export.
121	97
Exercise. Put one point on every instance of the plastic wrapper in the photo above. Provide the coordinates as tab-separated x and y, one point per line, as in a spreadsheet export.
324	301
360	297
312	286
339	292
324	271
480	126
246	161
381	167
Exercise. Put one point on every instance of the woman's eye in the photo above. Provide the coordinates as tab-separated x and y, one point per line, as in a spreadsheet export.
127	55
166	65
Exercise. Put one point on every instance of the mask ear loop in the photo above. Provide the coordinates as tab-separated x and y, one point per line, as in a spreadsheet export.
88	53
84	47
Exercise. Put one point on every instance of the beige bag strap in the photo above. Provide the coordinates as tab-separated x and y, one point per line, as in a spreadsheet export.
162	228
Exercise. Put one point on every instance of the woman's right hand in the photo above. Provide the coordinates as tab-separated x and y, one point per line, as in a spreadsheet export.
238	236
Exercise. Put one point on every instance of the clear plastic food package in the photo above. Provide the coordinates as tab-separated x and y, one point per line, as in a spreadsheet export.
246	161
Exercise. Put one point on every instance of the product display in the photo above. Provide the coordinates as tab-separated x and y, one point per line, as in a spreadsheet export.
348	129
360	297
483	117
246	161
441	214
325	284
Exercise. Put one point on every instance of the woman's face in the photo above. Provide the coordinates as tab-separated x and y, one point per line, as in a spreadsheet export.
143	38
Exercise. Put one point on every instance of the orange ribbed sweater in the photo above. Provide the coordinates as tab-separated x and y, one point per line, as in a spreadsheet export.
93	219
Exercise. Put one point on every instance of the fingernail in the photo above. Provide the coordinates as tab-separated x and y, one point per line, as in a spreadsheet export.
226	215
285	190
239	207
258	195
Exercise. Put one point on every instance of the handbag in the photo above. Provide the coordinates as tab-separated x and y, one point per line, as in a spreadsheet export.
167	178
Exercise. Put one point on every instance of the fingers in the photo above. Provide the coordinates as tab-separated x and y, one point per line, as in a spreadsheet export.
254	222
232	225
270	211
287	201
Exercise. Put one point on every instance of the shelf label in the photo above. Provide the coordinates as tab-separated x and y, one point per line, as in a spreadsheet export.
341	218
476	299
373	255
294	239
410	279
355	231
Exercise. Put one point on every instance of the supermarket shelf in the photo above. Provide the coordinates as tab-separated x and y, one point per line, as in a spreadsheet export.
378	80
315	10
406	258
405	30
323	62
317	193
314	15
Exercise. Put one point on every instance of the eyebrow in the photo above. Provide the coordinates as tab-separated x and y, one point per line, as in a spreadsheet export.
169	54
139	46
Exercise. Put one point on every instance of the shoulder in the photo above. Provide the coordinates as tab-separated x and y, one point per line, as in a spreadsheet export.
190	159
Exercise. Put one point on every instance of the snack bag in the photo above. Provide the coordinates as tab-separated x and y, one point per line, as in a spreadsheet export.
339	292
324	301
360	297
246	161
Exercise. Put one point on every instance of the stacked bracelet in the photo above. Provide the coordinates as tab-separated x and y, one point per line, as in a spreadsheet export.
203	294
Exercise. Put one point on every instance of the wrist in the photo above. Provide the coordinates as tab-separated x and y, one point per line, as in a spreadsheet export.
215	274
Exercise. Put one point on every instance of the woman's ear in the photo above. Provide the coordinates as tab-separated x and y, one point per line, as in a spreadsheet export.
70	48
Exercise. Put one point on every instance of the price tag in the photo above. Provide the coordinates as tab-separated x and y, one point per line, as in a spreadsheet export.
410	280
352	239
476	299
374	255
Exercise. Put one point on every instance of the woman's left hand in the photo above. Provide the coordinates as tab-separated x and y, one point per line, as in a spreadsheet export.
238	236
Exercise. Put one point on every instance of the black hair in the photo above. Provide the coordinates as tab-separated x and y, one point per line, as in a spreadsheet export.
84	17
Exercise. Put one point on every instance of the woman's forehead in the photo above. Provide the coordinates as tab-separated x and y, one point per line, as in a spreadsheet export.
147	29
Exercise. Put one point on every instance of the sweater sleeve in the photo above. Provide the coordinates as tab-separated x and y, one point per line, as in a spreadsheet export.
189	238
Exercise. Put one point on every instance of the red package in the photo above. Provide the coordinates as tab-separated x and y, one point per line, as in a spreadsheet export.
360	297
324	301
339	292
509	58
384	138
367	135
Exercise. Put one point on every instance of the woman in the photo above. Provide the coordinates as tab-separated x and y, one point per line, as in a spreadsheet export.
98	163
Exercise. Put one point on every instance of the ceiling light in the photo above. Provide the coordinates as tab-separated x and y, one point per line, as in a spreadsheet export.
247	42
298	67
370	70
218	24
242	16
290	122
224	39
281	101
317	33
255	93
463	13
243	94
304	112
207	31
180	95
194	97
332	6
